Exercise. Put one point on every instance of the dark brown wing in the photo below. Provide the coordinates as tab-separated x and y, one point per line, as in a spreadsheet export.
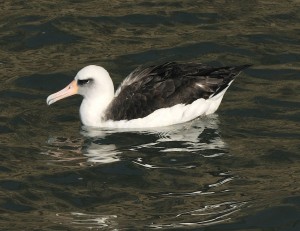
146	90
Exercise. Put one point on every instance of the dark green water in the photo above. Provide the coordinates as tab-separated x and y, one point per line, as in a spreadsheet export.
235	170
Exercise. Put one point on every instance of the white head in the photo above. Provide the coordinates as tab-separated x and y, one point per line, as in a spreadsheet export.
96	87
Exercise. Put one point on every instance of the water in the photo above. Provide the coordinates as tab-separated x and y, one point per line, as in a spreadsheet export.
235	170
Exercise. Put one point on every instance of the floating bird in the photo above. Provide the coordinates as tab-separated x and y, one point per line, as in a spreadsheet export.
153	96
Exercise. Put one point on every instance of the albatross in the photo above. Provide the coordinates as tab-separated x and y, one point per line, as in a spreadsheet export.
154	96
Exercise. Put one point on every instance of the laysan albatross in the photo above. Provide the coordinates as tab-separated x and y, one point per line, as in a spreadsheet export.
154	96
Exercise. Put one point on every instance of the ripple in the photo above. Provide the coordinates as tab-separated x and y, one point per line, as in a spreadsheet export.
63	149
87	221
37	36
207	215
201	192
80	152
149	166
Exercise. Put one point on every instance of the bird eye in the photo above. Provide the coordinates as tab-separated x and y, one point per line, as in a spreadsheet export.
83	81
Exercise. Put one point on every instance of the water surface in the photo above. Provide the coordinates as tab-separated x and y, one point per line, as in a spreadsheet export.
235	170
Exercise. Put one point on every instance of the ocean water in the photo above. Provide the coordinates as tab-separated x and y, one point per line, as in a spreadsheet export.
237	169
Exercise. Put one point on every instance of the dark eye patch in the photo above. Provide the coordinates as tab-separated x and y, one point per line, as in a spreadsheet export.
82	82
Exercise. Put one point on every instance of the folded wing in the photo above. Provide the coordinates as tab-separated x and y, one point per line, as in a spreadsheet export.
148	89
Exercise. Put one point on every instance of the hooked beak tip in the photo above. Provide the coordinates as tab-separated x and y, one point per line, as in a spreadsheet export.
48	101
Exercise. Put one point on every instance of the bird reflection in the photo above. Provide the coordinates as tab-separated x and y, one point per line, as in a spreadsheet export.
103	146
98	153
200	136
181	154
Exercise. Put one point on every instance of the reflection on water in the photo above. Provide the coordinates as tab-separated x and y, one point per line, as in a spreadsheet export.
208	215
87	221
173	148
238	170
199	137
98	153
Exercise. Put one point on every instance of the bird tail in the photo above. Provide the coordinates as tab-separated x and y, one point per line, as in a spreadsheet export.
231	72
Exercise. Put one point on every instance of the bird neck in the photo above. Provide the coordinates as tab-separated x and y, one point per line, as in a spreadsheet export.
93	106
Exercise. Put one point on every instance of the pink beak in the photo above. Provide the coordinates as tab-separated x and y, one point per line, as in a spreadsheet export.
69	90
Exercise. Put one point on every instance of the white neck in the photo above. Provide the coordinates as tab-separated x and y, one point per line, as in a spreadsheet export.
91	113
95	103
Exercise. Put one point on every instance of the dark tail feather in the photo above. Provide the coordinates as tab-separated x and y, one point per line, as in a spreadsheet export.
234	72
242	67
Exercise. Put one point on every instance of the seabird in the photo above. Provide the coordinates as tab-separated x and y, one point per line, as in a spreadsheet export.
154	96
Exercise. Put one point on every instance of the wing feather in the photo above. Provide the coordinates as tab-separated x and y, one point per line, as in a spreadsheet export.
148	89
